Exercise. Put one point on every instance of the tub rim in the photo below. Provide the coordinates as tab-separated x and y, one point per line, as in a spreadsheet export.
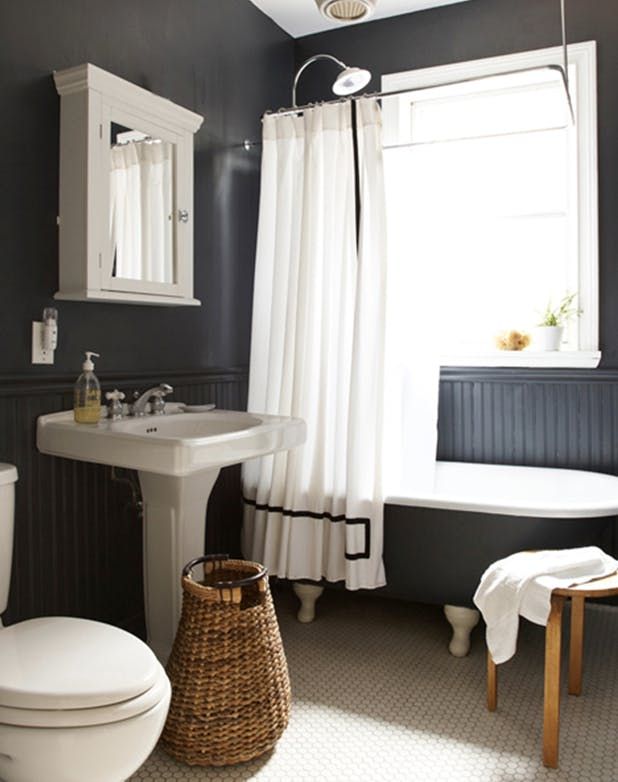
602	499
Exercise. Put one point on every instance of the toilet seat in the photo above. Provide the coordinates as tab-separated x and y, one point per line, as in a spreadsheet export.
99	715
67	672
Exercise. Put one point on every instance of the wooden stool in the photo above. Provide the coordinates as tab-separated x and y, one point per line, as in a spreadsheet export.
602	587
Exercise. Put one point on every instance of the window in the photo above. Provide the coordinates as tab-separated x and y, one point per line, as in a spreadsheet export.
492	200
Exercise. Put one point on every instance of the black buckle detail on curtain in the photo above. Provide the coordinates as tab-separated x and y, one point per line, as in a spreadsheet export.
366	554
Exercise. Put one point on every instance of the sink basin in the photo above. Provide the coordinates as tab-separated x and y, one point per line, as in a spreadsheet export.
178	457
176	443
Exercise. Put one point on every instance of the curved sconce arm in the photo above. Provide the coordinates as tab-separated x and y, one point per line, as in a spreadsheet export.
308	62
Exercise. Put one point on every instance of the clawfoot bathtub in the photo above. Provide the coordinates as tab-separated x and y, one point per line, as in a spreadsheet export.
438	544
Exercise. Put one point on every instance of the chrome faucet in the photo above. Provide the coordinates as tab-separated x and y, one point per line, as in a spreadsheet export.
157	394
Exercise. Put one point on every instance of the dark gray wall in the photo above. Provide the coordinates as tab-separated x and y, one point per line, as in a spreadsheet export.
544	418
77	533
485	28
78	541
224	60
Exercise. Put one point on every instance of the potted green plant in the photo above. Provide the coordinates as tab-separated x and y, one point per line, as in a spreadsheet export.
548	333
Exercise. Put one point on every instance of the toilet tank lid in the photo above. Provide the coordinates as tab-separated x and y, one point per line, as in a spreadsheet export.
8	473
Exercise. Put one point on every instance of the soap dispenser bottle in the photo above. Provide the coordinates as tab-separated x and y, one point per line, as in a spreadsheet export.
87	394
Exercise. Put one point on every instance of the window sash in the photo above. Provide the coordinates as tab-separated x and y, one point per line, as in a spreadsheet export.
584	240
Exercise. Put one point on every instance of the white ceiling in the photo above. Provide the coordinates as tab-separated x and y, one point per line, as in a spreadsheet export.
301	17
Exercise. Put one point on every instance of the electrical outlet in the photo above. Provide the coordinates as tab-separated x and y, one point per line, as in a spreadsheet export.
39	355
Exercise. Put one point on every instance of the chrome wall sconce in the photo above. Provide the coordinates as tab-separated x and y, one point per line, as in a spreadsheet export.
348	81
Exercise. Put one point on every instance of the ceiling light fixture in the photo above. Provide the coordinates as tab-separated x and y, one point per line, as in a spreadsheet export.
346	10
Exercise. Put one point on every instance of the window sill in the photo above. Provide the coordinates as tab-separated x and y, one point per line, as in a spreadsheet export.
565	359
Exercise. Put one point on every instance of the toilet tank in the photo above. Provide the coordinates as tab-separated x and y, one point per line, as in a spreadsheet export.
8	476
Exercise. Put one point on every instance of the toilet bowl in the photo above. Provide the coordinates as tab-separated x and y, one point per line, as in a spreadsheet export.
79	700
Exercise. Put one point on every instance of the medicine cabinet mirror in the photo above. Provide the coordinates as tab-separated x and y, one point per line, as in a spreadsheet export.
126	192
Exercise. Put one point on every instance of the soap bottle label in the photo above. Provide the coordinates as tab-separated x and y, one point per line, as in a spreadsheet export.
87	406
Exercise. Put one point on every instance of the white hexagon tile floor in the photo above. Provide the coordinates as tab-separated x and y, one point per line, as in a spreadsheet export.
377	698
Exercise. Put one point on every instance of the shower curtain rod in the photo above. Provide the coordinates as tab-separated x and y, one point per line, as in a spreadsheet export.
562	69
387	94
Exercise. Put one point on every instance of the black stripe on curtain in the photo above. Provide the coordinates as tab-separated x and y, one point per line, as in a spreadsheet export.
357	194
365	554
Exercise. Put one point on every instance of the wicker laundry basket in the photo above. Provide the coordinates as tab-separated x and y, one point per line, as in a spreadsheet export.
230	684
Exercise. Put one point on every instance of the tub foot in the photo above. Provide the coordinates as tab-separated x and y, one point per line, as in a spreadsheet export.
462	620
307	594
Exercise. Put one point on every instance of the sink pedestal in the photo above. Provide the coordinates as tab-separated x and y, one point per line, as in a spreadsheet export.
174	527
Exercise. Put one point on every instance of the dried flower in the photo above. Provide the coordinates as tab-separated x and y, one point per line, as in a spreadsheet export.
512	340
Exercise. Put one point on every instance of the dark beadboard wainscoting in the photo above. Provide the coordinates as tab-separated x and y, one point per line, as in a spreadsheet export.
545	418
551	418
78	533
78	538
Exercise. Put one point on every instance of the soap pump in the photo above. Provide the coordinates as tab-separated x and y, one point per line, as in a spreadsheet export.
87	394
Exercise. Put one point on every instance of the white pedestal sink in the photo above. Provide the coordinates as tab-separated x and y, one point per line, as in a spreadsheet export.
178	457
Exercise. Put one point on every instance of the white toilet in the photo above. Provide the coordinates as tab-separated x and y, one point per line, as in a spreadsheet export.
80	701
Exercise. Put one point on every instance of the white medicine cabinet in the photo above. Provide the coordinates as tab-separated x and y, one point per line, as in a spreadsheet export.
126	192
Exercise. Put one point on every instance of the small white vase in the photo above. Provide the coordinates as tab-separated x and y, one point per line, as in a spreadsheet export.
547	337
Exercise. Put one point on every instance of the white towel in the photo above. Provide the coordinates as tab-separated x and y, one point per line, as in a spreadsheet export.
523	583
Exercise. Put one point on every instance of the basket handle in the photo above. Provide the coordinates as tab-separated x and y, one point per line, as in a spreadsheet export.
186	572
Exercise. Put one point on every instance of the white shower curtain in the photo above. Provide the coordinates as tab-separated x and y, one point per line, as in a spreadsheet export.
141	210
318	348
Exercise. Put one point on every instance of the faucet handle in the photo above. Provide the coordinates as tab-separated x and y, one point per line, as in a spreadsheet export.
114	395
114	404
157	405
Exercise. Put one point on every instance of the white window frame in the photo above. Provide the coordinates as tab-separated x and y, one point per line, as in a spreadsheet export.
582	56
